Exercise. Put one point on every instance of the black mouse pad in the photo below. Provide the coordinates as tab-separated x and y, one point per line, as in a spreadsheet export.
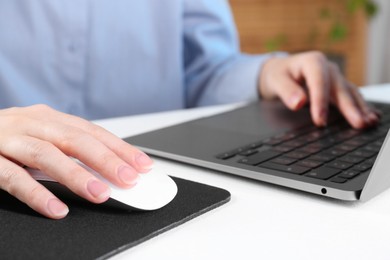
96	231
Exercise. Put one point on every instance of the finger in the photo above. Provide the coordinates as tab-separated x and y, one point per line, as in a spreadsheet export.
371	114
140	161
131	155
76	143
17	182
342	97
49	159
315	72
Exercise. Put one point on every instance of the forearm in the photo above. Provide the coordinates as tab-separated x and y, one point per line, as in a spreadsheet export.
215	70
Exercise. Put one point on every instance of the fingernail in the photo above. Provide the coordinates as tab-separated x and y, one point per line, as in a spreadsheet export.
144	161
57	208
358	117
98	189
128	175
374	118
324	116
295	99
367	119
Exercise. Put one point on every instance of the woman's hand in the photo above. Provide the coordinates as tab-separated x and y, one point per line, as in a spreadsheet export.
309	76
42	138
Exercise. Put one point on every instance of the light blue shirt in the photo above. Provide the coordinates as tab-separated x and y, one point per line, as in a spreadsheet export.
102	58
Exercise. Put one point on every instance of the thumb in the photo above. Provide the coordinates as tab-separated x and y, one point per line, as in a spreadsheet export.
276	81
291	93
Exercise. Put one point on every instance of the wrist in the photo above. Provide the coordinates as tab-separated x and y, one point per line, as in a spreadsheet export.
266	74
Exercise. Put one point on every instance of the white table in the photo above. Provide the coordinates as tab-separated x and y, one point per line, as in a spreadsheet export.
263	221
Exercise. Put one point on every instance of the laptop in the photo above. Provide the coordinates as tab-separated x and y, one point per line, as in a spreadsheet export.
267	142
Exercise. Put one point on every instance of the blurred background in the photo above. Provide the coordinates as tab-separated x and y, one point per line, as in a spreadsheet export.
353	33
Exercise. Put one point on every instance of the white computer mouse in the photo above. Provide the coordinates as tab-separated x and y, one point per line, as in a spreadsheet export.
153	190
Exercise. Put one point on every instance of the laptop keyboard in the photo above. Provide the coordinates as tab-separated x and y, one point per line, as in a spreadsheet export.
336	153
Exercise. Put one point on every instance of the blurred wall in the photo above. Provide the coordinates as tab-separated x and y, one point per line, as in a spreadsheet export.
378	52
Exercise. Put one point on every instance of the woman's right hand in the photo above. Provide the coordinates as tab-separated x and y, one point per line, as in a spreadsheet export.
43	138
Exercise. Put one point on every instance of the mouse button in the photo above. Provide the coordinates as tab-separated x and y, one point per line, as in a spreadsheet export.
153	191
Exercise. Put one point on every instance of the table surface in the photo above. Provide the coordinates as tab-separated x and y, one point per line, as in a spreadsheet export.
262	221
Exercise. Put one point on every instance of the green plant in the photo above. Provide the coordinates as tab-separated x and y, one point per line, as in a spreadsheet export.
338	28
276	42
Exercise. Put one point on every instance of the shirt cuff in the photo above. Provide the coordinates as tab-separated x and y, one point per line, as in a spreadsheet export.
240	81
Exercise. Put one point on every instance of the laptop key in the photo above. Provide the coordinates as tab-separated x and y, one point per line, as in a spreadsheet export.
346	147
295	143
248	152
297	154
335	152
348	174
283	160
371	148
240	150
225	156
315	135
355	141
255	145
362	167
322	157
363	153
259	157
323	143
322	173
282	148
309	163
378	143
351	159
232	153
285	168
367	137
347	134
272	141
338	180
311	149
371	160
339	165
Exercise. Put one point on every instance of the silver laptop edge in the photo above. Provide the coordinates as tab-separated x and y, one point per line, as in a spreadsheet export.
299	185
379	178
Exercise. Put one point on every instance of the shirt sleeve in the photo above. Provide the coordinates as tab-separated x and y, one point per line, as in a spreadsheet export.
216	72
